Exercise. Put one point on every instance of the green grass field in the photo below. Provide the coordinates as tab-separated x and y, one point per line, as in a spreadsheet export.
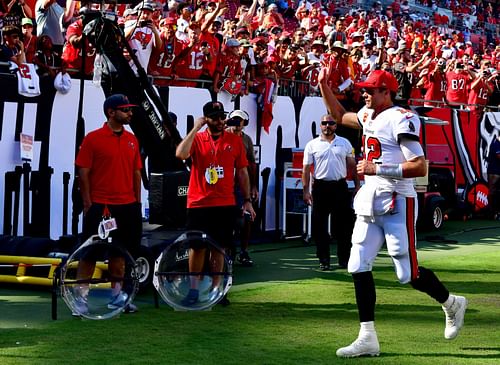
283	311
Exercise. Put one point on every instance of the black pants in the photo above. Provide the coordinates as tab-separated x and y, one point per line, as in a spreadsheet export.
128	220
332	197
217	222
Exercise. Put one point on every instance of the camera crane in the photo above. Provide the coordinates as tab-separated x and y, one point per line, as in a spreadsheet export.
150	122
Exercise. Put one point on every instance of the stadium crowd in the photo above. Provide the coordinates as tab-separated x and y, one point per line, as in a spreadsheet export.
439	56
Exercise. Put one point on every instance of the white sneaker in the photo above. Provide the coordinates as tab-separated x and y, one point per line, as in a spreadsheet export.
365	345
455	317
80	307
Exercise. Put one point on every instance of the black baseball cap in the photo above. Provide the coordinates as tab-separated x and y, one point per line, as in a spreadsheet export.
214	108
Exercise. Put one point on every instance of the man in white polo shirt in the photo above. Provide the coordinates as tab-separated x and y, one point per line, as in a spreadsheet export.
331	156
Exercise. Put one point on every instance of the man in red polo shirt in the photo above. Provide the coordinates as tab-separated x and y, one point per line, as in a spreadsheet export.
218	157
110	165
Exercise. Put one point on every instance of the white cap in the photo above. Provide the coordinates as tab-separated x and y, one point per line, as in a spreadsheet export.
240	114
62	82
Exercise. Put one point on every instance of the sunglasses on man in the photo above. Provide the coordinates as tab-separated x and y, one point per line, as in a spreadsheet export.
328	122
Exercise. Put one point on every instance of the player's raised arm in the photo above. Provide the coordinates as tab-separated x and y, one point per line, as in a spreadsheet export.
333	106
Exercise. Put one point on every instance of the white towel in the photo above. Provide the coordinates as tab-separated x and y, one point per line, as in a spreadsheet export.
363	201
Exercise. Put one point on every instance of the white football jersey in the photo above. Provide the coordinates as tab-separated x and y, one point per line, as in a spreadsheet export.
381	138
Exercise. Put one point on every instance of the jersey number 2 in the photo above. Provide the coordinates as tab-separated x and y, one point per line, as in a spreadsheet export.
373	150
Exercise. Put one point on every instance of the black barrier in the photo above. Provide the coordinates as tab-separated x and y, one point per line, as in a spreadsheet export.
168	198
40	202
11	204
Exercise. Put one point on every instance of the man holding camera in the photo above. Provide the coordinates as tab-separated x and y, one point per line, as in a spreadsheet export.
481	89
403	68
143	36
435	85
458	82
218	159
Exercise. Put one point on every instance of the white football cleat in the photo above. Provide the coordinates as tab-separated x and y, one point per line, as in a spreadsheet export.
365	345
454	317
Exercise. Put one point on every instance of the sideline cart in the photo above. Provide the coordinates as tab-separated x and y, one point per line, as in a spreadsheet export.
293	203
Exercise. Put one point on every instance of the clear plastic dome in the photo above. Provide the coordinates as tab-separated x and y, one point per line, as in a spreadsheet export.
193	273
98	280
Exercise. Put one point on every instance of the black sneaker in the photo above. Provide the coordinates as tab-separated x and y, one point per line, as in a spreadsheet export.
343	265
131	308
244	259
324	267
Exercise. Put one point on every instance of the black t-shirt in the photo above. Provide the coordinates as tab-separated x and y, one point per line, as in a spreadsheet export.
14	16
404	90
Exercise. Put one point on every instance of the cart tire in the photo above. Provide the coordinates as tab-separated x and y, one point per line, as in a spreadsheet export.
434	214
145	267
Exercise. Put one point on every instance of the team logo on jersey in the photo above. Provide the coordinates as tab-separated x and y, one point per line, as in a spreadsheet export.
365	117
411	126
142	38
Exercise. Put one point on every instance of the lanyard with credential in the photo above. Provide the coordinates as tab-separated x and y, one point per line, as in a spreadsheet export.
213	171
107	224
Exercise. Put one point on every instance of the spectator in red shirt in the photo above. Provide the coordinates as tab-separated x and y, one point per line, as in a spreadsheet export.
189	63
228	75
435	84
29	40
458	82
210	34
72	51
338	68
259	45
163	58
481	89
396	7
288	67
